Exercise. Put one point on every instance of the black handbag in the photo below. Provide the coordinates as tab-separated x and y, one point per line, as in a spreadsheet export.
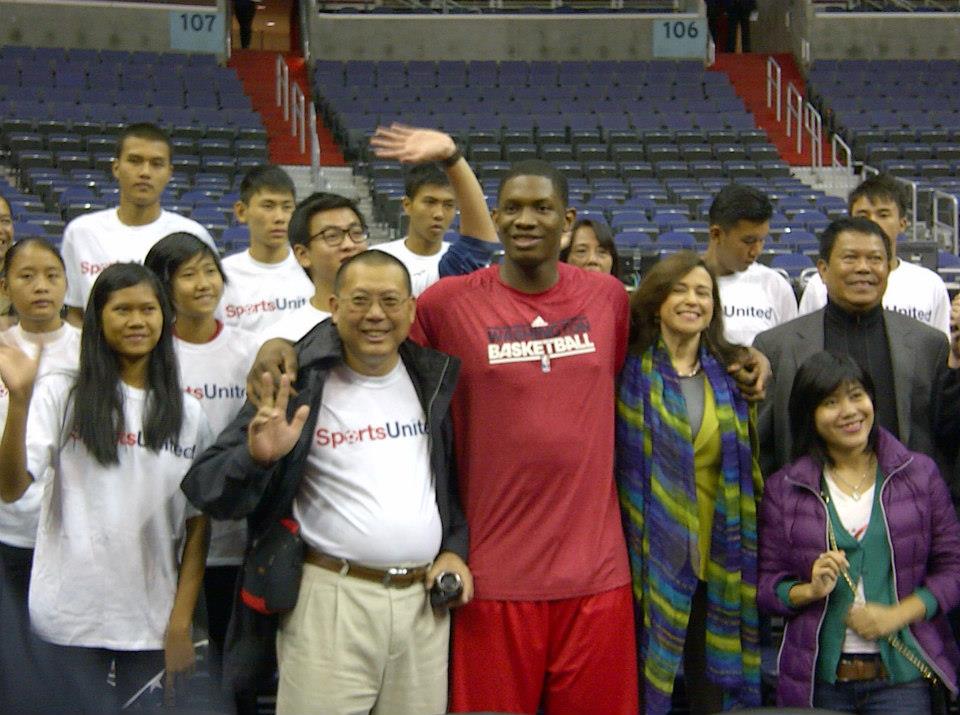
271	574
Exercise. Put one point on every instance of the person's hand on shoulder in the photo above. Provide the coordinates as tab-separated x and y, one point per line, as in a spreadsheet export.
752	374
276	357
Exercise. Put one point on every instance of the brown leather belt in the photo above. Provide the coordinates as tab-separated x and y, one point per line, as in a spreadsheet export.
395	577
860	667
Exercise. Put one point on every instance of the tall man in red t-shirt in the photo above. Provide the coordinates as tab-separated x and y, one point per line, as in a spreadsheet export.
541	344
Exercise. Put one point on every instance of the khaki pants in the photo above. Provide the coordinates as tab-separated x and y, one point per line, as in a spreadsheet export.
352	646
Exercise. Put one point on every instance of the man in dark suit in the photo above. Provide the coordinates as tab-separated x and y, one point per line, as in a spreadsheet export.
908	361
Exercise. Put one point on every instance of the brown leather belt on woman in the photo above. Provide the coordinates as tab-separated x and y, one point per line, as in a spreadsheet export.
394	577
860	667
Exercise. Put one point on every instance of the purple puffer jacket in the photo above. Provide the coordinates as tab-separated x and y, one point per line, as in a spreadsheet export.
925	538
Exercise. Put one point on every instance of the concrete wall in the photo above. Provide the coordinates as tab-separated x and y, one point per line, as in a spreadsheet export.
97	25
884	36
504	37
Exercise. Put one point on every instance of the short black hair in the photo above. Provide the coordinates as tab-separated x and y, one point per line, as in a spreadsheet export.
604	238
737	202
538	167
266	177
172	251
882	187
299	230
424	175
850	223
143	130
819	376
372	257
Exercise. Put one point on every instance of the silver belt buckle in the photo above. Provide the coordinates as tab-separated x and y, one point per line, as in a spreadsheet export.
391	573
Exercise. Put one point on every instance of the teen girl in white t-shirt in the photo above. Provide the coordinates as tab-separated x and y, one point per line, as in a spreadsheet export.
214	360
35	283
109	446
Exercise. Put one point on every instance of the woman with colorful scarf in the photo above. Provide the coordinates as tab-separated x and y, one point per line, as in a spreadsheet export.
689	486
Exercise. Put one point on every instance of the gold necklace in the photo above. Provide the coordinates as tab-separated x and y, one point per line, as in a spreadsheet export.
856	490
694	371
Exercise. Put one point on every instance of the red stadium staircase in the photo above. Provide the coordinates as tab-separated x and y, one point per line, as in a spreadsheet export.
256	69
748	74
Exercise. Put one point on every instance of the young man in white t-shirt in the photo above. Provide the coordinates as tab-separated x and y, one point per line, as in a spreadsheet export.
911	289
265	282
93	241
430	203
754	297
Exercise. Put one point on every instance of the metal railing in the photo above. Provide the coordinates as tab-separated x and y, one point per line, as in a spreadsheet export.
291	98
954	205
813	125
774	89
795	114
836	144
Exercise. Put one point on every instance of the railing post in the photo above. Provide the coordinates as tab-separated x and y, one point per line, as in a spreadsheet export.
795	112
286	91
773	85
939	196
278	79
314	150
813	125
838	143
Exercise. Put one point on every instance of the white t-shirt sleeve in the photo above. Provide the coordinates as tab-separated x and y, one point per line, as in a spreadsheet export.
940	318
814	295
74	297
786	300
46	422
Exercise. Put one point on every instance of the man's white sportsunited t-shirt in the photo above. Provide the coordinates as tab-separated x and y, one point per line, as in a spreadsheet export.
367	492
911	289
93	241
259	294
755	300
105	565
295	324
215	373
61	353
424	270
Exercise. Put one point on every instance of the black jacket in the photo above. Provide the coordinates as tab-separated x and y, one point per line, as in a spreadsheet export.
226	483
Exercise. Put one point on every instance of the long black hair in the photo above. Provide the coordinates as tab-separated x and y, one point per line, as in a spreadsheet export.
819	376
171	252
98	413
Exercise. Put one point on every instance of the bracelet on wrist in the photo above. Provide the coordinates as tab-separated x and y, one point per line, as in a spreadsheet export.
453	158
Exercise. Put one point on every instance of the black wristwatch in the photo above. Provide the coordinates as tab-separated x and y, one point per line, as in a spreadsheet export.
453	158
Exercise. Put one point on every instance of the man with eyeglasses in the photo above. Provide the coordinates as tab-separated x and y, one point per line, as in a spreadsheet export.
361	471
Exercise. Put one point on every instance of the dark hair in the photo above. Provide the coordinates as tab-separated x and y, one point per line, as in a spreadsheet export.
372	257
882	187
856	225
422	175
98	413
299	230
29	240
654	289
143	130
172	251
819	376
538	167
266	177
737	202
604	239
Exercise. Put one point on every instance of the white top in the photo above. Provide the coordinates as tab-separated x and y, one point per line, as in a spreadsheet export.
216	374
755	300
105	566
855	516
911	289
295	324
61	352
424	270
367	492
259	294
93	241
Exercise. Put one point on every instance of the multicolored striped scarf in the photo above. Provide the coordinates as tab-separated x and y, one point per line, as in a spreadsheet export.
655	472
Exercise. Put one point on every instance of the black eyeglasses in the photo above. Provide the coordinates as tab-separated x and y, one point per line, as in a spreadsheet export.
333	236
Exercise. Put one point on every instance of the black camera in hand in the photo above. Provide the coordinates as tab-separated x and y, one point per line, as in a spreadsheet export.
446	588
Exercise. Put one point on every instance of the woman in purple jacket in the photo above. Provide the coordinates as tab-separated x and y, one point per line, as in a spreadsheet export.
858	542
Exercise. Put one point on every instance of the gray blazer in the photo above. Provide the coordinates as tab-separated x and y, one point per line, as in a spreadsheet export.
918	354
